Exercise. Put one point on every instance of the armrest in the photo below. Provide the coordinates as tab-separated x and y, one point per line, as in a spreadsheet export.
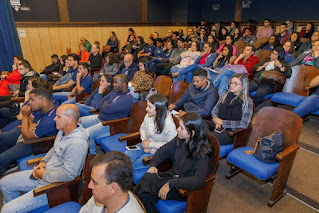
117	126
67	89
54	186
96	111
106	123
18	99
286	152
240	137
38	140
132	136
34	161
147	160
311	90
81	102
141	90
234	132
185	192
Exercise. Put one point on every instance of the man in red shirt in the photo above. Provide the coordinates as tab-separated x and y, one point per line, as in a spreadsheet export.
247	59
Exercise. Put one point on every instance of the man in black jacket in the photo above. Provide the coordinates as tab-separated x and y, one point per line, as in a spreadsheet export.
54	67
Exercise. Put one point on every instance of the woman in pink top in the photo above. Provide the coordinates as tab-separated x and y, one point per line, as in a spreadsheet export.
229	41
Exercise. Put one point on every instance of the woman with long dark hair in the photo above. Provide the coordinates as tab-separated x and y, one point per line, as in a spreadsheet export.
156	130
112	43
190	153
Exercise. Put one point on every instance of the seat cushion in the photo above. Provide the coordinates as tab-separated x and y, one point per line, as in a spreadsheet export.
69	207
251	164
225	149
171	206
23	161
111	143
315	112
41	209
253	93
289	99
138	174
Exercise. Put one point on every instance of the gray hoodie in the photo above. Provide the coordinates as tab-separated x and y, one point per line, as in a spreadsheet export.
65	159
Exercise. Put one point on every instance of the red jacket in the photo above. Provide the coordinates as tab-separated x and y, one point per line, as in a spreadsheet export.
249	64
84	57
14	77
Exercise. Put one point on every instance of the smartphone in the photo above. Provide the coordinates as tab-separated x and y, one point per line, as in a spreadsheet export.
165	175
32	177
132	147
219	130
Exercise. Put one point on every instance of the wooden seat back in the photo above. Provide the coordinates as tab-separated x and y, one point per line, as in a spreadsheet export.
257	44
177	90
137	115
270	119
240	44
300	79
263	40
163	85
262	54
222	42
303	40
68	51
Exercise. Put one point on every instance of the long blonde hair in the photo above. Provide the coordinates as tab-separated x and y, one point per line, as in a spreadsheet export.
243	95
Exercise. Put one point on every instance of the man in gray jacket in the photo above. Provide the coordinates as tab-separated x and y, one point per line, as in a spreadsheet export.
62	163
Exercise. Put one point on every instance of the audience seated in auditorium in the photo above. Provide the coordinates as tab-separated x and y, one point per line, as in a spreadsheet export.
164	68
271	43
214	42
92	102
250	25
200	96
128	68
83	84
310	57
232	28
37	122
222	34
26	72
62	163
189	35
86	43
112	43
66	81
204	25
54	67
233	111
83	54
167	52
248	37
290	27
311	103
181	34
283	35
188	58
117	104
155	35
157	129
139	46
128	48
168	36
236	35
63	68
266	30
130	32
228	41
191	172
277	62
112	175
110	66
289	51
307	31
202	38
95	59
11	78
159	49
308	44
247	59
296	42
204	61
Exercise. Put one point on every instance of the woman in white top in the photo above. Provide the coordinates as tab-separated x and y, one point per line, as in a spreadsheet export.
157	129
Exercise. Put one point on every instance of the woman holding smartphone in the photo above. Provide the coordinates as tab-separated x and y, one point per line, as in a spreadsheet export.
190	153
156	130
233	111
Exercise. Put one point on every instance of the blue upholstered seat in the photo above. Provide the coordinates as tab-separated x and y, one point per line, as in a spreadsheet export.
40	210
111	143
289	99
171	206
69	207
253	93
138	174
251	164
315	112
23	161
225	149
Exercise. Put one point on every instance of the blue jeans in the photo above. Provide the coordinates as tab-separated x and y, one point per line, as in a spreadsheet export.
134	94
11	150
84	109
43	76
308	105
95	130
186	73
64	79
137	157
60	97
222	81
11	126
175	69
12	184
153	63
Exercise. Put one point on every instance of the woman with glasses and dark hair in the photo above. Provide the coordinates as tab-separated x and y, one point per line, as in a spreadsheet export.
190	152
234	110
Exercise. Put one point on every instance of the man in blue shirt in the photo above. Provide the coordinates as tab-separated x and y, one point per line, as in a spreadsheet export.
129	68
117	104
83	84
37	122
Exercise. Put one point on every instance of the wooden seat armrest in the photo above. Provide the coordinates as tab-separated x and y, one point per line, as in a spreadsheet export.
132	136
96	111
54	186
311	90
286	152
38	140
18	99
19	127
116	121
141	90
240	137
81	102
34	161
67	89
185	192
234	132
147	160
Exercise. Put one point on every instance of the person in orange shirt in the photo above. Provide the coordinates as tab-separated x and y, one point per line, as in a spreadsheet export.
83	54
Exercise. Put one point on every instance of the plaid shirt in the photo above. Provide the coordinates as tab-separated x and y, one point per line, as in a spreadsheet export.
247	112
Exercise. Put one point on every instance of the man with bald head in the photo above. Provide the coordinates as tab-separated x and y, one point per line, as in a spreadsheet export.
62	163
129	67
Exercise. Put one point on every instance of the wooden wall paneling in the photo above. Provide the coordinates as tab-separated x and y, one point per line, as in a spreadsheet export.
74	39
36	49
55	39
98	36
26	47
89	31
64	39
46	47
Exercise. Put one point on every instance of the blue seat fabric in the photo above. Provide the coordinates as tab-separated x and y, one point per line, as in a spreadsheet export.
225	149
69	207
23	161
111	143
171	206
289	99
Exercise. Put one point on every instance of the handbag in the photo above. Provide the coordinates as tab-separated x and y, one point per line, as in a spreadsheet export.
273	76
268	147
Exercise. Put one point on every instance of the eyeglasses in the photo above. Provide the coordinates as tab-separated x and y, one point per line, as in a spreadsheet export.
234	83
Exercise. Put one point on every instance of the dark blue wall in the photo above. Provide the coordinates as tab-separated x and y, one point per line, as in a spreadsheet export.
225	14
158	11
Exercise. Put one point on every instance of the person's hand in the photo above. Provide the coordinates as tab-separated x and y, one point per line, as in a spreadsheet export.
19	116
32	127
242	55
278	64
160	58
39	172
146	143
101	89
39	166
3	76
25	110
16	93
265	64
147	150
152	169
59	75
181	113
163	191
175	74
78	76
171	106
218	122
220	56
